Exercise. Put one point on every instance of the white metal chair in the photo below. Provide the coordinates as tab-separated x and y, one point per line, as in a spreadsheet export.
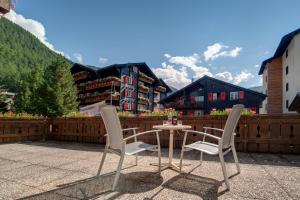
225	143
115	143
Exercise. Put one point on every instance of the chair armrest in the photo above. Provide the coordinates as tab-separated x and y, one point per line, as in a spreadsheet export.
142	133
204	134
215	129
129	129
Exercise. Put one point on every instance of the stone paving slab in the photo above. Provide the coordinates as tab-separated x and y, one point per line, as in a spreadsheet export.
61	170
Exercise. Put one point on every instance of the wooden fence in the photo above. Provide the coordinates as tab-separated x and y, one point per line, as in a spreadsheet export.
23	130
260	133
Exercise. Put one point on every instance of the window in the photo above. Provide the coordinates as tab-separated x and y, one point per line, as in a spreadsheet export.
287	87
215	96
199	98
287	104
286	70
286	53
234	96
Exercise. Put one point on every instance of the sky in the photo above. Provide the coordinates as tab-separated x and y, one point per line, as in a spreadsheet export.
181	40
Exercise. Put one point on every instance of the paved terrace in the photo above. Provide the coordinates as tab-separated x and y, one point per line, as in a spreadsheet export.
53	170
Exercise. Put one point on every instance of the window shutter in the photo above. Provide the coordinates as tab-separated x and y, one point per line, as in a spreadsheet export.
241	95
223	96
210	96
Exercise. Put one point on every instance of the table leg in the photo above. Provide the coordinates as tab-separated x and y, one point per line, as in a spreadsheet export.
171	142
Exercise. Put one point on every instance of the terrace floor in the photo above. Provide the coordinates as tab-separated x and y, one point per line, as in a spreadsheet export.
58	170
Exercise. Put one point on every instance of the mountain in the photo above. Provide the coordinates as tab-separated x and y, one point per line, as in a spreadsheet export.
20	52
257	89
173	89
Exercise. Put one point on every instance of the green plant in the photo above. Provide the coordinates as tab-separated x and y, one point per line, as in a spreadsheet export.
165	113
125	114
11	115
76	115
245	112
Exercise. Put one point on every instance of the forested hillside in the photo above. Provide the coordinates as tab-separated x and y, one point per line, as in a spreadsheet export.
20	52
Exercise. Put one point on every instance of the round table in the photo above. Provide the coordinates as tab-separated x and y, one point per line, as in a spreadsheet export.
171	127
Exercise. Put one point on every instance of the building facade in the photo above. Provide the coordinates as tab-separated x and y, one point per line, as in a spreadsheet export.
131	87
207	94
280	75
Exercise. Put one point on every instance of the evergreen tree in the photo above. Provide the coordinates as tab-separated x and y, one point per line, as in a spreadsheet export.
20	52
59	93
28	98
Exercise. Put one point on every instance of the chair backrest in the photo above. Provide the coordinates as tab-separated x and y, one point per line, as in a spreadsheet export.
231	124
113	126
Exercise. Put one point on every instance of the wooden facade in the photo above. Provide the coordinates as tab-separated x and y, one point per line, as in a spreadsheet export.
207	94
130	87
274	86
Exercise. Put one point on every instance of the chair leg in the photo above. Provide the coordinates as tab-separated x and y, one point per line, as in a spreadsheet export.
224	170
102	161
201	157
236	160
136	159
159	160
118	171
181	158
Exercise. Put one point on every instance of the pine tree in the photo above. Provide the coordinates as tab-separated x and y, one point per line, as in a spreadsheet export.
28	98
59	93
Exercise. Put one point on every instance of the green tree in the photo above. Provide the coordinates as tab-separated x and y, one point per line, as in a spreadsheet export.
59	93
28	98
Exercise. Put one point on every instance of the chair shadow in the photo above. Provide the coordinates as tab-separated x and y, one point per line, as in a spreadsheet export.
206	188
100	187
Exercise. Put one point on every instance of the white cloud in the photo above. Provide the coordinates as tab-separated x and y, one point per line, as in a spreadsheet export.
78	57
242	77
177	78
103	60
256	66
224	76
167	55
217	50
190	62
33	26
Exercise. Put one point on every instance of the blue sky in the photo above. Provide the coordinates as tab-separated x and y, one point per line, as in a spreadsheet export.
179	40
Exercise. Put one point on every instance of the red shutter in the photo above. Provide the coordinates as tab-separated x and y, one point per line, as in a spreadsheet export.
210	96
192	99
132	94
223	96
126	92
241	95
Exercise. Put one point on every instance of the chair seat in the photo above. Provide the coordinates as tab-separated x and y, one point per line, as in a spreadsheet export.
205	147
136	147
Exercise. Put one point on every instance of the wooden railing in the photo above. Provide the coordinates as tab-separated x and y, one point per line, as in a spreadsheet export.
259	133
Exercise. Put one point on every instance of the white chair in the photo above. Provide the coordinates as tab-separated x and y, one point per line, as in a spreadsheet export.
225	144
115	143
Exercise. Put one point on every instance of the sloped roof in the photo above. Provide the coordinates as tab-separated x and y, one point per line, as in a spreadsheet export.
115	66
284	43
198	82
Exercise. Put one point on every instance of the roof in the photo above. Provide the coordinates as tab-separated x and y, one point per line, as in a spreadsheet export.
115	66
198	82
284	43
295	105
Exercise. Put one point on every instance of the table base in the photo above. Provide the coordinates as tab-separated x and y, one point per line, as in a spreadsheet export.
172	166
